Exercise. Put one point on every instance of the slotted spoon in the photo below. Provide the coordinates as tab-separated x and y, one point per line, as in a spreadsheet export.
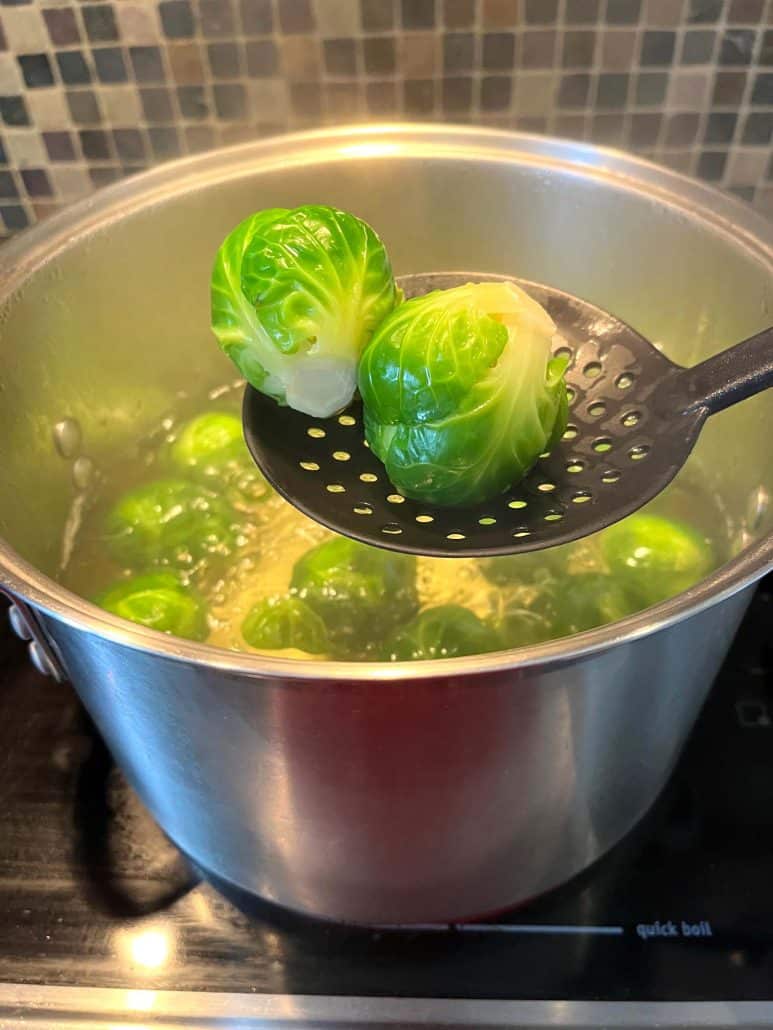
634	418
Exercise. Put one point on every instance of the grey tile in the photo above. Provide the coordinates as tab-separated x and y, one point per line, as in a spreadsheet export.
541	12
342	99
758	128
747	12
257	17
698	46
164	142
570	126
623	12
418	14
14	217
657	47
457	94
458	14
99	21
295	16
762	90
230	101
498	51
8	187
193	102
458	51
59	146
582	12
129	144
617	48
262	58
704	11
340	56
84	109
418	96
682	129
36	69
495	92
578	49
377	15
109	64
608	129
574	90
73	68
737	46
224	60
538	48
612	89
61	24
745	193
728	88
531	123
711	165
146	63
94	144
644	129
766	48
217	19
157	105
651	88
199	138
176	19
104	176
381	97
379	55
720	127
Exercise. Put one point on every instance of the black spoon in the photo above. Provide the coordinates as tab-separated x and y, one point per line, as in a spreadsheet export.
634	418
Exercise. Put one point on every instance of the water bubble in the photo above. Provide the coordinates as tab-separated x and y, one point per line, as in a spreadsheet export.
82	473
67	437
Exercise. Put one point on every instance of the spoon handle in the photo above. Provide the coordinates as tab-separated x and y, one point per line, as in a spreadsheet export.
730	376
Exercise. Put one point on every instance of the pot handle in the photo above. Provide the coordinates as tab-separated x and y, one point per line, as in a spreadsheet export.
41	650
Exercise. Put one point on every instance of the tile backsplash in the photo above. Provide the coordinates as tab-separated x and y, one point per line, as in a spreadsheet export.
94	91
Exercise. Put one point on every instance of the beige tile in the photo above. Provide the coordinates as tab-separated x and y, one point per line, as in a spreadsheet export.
24	29
266	100
25	147
138	23
747	166
10	76
500	13
121	105
70	182
534	94
617	49
763	201
338	17
48	108
659	13
186	62
300	58
689	90
417	55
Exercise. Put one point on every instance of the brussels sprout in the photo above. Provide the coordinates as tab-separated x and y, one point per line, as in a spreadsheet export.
581	602
654	557
512	569
447	631
296	295
211	447
460	392
519	627
159	601
360	592
169	520
282	622
208	440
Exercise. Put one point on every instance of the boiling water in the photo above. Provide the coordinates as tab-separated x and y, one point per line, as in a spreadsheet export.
271	536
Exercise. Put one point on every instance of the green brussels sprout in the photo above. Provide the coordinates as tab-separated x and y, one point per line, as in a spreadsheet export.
655	558
296	295
460	392
211	447
447	631
279	623
519	627
583	601
360	592
169	520
512	569
159	601
208	440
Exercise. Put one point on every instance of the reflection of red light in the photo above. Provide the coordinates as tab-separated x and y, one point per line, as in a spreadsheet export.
406	784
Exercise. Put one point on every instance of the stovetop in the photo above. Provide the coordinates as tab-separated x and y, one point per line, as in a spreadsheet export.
93	895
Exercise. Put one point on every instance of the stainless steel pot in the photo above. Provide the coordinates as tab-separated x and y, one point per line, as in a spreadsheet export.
429	791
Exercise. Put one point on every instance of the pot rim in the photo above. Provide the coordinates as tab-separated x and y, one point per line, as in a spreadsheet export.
39	245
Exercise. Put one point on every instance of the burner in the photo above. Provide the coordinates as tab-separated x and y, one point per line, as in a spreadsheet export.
93	894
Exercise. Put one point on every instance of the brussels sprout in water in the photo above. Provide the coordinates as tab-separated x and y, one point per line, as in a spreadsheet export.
447	631
655	557
460	392
519	627
296	295
279	623
360	592
169	520
211	448
581	602
159	601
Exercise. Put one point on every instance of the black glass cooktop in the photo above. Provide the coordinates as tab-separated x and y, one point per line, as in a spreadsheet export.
92	894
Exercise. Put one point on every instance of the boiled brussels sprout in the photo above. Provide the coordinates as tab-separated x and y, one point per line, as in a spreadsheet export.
169	520
520	626
655	557
581	602
159	601
296	295
208	440
211	448
360	592
509	569
279	623
460	392
447	631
